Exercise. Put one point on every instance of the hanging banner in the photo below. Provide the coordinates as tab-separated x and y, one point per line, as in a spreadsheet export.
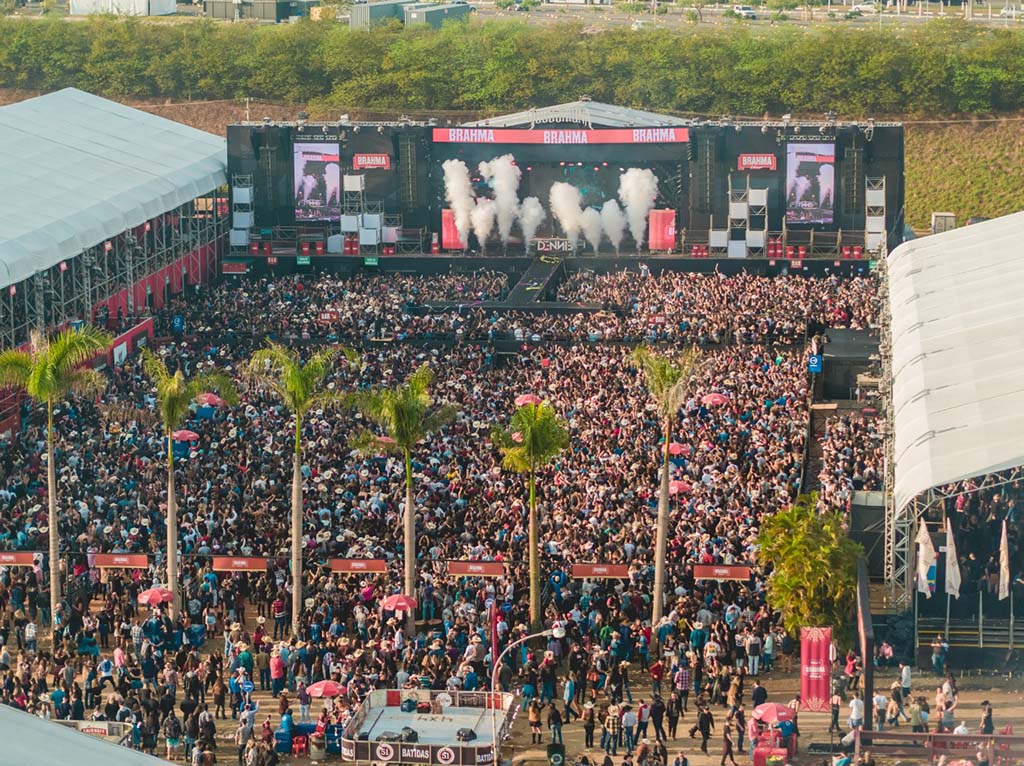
122	560
815	678
661	230
359	565
18	559
481	568
239	564
560	136
450	232
720	572
581	571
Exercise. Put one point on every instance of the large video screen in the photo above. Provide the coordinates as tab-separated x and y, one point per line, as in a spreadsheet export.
810	183
317	182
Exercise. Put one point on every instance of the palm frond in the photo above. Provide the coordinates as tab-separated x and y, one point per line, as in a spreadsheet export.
218	382
535	436
154	367
15	368
71	348
86	382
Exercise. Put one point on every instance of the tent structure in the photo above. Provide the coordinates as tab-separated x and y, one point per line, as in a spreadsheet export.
956	304
30	740
77	169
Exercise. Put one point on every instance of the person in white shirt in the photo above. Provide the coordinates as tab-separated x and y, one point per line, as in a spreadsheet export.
856	711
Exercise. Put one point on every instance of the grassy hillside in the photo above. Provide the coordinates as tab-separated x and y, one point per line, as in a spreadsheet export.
967	168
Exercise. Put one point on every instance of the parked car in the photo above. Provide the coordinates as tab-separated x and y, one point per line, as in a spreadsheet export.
744	11
1010	12
865	8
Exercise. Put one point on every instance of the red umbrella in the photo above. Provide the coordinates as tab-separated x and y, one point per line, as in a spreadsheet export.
713	400
326	688
772	712
675	448
209	400
527	399
184	435
678	488
399	603
155	596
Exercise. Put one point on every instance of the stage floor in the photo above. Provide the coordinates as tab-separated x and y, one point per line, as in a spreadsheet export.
434	729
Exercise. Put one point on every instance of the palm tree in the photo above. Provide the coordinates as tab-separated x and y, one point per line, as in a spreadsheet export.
535	436
300	386
669	382
407	415
174	396
48	372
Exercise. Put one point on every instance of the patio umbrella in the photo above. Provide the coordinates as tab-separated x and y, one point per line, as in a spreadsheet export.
678	487
209	400
713	400
675	448
527	399
326	688
399	603
184	435
772	712
155	596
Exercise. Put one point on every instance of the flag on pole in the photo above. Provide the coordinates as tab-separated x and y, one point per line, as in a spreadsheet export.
1004	566
952	563
925	561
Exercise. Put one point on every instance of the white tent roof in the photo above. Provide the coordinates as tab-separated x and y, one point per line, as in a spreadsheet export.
77	169
957	307
587	112
34	742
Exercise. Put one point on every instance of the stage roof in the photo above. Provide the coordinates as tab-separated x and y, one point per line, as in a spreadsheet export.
77	169
957	306
31	740
591	113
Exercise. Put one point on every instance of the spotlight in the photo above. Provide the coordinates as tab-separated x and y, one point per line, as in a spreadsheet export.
764	129
738	129
796	128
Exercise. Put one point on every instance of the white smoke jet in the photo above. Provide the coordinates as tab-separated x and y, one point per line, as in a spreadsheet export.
458	190
590	222
482	218
614	223
531	216
638	188
332	175
503	174
308	187
565	206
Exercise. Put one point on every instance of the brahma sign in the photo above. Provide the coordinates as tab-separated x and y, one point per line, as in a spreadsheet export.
561	136
614	571
756	162
239	564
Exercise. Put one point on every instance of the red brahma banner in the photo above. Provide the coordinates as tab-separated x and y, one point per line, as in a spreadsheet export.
450	232
815	675
662	230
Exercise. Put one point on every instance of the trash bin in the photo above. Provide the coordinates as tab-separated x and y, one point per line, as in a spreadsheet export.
317	747
283	741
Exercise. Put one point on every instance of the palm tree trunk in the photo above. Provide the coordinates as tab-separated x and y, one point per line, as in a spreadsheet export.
409	544
535	612
172	530
297	528
54	538
661	543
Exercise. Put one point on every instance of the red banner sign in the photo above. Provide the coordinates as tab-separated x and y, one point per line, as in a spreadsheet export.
122	560
450	232
661	230
238	564
371	162
815	677
483	568
19	559
659	319
235	267
326	317
580	571
756	162
271	260
359	565
717	572
560	136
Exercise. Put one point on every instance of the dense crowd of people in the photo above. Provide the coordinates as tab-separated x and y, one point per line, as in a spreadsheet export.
743	459
853	457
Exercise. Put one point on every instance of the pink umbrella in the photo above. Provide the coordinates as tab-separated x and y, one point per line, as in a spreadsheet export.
679	488
675	448
155	596
184	435
326	688
385	440
517	437
713	400
772	712
209	400
527	399
399	603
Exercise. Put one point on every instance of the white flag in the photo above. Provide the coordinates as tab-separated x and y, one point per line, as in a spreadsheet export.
1004	566
925	560
952	564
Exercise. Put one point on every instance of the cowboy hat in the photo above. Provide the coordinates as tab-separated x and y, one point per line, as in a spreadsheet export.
261	619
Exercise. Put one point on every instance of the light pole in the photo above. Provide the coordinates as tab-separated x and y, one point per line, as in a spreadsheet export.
558	632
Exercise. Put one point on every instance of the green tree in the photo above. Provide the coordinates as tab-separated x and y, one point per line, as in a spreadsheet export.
301	388
669	382
535	436
52	369
174	396
408	415
814	567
